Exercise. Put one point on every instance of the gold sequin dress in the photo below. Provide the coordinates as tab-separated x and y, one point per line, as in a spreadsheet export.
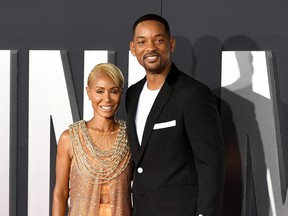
100	174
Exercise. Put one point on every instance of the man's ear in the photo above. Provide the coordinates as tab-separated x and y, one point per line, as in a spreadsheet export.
172	44
132	49
88	92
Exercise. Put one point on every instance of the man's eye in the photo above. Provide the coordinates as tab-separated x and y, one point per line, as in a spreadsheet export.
159	41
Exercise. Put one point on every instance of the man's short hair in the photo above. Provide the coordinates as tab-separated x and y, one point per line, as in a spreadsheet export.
153	17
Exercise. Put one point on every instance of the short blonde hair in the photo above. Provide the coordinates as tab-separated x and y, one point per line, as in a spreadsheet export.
109	69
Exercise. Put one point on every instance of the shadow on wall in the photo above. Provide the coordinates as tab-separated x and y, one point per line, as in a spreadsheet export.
208	51
244	145
183	56
240	127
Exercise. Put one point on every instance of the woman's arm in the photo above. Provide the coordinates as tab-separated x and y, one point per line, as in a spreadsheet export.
63	162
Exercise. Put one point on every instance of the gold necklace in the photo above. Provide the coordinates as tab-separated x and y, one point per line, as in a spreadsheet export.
95	165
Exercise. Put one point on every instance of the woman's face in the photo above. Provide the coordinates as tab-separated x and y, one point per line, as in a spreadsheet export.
105	96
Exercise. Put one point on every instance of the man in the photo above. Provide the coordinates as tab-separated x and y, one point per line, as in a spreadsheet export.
174	132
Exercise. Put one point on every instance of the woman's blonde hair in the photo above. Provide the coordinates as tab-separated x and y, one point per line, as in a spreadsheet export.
109	69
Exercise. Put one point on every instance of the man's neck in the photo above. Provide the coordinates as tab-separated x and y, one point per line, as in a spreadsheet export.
156	80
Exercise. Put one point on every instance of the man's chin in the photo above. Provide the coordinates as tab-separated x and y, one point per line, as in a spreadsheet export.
151	68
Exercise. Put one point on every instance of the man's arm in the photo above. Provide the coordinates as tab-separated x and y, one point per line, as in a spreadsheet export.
203	125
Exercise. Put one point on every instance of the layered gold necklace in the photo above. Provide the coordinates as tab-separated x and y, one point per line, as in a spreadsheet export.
96	165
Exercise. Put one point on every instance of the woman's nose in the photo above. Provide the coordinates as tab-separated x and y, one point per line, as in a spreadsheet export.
106	97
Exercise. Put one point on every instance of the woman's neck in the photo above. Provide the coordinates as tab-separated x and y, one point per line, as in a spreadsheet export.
103	125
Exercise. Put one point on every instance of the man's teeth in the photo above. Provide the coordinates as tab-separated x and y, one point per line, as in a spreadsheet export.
152	57
106	107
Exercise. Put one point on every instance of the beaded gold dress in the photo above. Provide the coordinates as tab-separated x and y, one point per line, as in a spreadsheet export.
100	174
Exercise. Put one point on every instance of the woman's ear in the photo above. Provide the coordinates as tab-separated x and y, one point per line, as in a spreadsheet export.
88	92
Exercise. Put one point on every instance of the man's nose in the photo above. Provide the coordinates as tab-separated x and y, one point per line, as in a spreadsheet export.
151	46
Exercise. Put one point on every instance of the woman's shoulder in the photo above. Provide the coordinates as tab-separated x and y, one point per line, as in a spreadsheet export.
64	140
77	124
65	133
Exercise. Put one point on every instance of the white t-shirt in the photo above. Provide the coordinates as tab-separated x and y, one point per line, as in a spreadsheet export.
145	103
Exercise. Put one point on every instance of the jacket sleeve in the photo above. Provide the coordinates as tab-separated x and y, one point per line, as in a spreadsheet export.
203	126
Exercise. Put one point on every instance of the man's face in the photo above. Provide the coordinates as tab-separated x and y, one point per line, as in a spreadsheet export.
152	46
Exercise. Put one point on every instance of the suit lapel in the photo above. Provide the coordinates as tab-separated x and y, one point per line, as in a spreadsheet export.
156	109
133	138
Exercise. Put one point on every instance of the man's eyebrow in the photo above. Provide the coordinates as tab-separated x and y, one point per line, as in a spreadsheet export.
140	37
157	35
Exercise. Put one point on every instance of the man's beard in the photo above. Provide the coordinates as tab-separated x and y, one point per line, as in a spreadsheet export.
156	67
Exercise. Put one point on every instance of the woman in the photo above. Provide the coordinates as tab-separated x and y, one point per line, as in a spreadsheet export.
93	165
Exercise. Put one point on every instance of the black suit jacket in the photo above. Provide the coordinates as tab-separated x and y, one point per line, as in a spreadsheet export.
179	166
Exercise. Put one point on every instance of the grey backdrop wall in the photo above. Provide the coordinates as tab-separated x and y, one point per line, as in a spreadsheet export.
202	29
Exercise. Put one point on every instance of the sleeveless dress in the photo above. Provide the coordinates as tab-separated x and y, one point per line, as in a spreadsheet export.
100	173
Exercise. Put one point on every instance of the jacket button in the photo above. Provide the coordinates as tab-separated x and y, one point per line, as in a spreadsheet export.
140	170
